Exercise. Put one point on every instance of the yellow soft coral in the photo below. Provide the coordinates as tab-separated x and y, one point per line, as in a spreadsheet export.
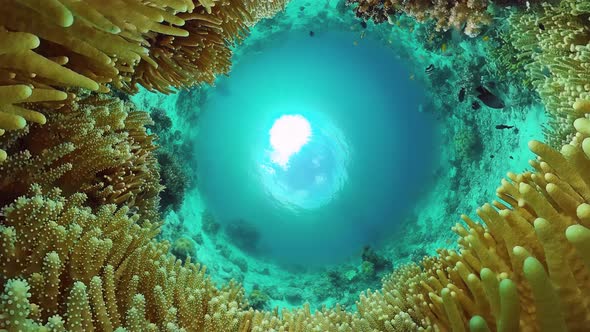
96	144
553	43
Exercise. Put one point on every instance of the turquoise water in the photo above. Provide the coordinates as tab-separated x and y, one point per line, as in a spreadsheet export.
389	176
370	154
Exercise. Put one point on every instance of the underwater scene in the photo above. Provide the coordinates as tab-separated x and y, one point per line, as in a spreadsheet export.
294	165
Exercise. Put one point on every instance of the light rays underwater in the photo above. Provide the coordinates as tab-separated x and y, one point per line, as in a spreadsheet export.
350	184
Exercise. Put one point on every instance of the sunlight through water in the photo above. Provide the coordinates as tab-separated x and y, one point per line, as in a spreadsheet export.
288	134
304	167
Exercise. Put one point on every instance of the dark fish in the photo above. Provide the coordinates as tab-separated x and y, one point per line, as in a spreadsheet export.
364	24
301	8
511	157
541	26
429	69
475	105
462	95
503	126
311	33
491	156
488	98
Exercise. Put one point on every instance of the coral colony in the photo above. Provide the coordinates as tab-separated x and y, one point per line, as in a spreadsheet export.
80	178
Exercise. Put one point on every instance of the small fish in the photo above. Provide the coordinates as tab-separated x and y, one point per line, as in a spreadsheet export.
311	33
541	26
363	34
511	157
475	105
485	38
355	43
492	156
503	126
364	24
488	98
302	8
412	77
443	47
462	95
429	69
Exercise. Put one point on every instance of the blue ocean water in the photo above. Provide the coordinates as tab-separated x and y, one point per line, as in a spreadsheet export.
368	158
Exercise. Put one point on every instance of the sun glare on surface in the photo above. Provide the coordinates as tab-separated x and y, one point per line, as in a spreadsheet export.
288	134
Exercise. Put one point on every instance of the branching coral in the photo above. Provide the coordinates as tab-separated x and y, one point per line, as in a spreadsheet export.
553	42
97	145
64	266
468	16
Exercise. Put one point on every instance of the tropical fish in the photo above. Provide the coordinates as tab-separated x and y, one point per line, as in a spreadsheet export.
429	69
488	98
503	126
311	33
541	26
364	24
462	94
443	47
412	77
355	43
485	38
475	105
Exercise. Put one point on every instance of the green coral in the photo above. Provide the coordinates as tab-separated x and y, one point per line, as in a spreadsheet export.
183	248
258	299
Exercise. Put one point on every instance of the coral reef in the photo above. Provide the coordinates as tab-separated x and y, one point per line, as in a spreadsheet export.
552	44
183	248
526	263
467	144
47	45
243	234
173	178
95	144
76	255
466	16
258	299
209	224
378	262
64	266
